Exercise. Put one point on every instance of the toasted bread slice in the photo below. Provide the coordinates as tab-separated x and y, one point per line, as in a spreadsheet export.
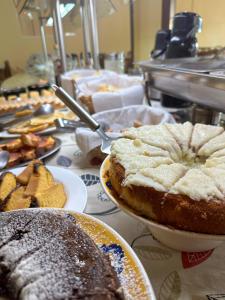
38	128
17	200
54	196
18	130
27	129
7	185
40	180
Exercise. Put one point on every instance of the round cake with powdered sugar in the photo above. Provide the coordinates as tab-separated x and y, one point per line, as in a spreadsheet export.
173	174
45	255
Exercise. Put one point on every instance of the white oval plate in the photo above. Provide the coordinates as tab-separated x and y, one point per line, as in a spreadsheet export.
74	186
180	240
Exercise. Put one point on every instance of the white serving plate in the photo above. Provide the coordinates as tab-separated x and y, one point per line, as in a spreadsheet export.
176	239
74	187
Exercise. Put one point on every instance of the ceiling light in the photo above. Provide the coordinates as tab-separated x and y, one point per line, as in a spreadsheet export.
66	8
49	22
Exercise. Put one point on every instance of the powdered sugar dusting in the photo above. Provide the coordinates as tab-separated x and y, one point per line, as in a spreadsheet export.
52	258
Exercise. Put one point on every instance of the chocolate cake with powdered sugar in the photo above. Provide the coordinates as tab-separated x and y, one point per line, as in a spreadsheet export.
45	255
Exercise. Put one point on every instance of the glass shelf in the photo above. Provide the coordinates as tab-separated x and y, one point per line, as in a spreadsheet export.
30	11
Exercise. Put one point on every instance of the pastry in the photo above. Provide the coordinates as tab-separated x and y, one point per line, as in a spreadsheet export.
107	88
30	140
173	174
27	129
46	255
15	158
27	147
46	144
28	154
40	123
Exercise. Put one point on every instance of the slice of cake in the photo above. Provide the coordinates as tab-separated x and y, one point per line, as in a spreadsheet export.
7	185
24	177
182	134
136	147
157	136
213	145
202	134
40	180
54	196
17	200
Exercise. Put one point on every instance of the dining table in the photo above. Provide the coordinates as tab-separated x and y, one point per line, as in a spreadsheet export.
173	274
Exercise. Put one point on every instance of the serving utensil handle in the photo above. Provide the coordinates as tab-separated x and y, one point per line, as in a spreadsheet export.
76	108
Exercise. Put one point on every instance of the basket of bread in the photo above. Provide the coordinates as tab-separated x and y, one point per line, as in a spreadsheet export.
110	92
114	122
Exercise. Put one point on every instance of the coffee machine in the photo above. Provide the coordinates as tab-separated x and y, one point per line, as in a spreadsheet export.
183	41
191	86
180	42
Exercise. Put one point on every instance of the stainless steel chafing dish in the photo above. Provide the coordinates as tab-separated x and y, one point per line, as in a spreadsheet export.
198	80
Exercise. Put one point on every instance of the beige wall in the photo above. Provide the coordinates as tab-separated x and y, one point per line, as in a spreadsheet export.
147	23
14	46
113	30
114	33
212	12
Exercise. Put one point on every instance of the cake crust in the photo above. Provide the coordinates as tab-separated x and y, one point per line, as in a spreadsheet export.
178	211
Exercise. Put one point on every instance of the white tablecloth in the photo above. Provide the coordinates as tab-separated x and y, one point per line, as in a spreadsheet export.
174	275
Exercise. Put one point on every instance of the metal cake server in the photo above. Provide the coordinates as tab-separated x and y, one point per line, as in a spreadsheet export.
68	125
64	124
85	117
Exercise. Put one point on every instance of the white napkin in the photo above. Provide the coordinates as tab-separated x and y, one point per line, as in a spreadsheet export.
119	119
130	91
80	76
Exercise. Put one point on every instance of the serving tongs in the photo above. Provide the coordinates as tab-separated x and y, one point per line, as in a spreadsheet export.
65	125
85	117
44	109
